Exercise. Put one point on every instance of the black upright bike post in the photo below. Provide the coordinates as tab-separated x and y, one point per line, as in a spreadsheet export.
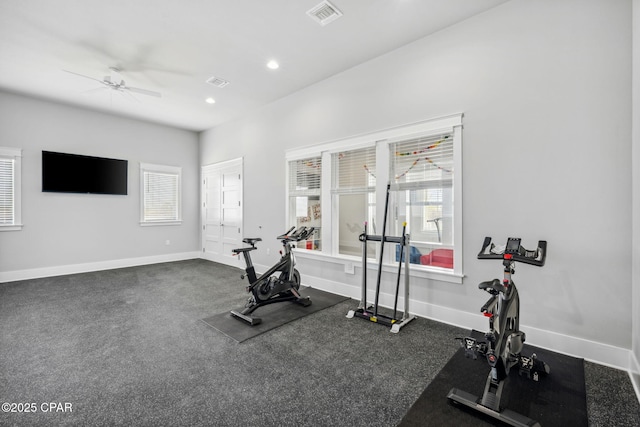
363	238
384	229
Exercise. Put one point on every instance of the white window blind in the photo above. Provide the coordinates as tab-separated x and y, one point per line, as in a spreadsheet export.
7	191
305	177
354	171
10	189
423	162
160	194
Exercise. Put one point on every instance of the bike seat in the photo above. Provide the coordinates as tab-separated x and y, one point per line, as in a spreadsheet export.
492	286
252	240
239	250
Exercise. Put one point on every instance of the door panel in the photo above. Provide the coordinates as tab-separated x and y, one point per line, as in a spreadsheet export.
222	211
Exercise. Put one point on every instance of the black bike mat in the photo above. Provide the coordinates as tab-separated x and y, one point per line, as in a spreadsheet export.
273	315
558	399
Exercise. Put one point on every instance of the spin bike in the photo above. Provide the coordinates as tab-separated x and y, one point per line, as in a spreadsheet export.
272	287
504	341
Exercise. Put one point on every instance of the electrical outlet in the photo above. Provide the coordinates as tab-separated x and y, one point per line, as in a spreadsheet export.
167	242
349	268
268	251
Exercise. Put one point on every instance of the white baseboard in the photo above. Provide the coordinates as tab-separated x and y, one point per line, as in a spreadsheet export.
603	354
36	273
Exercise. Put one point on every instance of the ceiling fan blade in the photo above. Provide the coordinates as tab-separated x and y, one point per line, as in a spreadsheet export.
128	95
86	77
94	90
144	91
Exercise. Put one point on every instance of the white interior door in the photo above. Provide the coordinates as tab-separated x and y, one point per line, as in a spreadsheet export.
222	211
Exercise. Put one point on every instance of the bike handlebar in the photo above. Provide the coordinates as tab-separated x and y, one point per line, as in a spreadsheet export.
514	251
294	235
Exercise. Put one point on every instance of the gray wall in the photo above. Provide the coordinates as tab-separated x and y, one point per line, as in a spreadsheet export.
70	229
545	87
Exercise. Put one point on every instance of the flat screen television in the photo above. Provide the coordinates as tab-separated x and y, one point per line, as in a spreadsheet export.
73	173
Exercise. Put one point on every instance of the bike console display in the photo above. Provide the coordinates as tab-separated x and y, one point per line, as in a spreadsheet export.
513	245
513	250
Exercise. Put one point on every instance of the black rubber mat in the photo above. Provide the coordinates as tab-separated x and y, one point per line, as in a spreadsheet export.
558	399
273	315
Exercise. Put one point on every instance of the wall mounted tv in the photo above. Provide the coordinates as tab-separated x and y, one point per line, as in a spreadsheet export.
73	173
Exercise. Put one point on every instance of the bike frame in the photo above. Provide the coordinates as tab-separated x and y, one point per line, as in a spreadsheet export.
287	262
503	313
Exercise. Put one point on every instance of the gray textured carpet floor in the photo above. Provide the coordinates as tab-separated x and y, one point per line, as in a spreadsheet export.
127	347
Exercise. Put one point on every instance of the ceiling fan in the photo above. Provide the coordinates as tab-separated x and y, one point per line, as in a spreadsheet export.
114	81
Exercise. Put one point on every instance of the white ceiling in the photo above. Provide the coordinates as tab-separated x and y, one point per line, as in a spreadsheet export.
173	47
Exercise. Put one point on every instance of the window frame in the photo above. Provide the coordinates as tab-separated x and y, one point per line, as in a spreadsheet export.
14	154
382	140
166	170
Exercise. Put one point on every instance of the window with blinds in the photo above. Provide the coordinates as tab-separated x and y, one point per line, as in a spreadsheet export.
160	194
353	194
10	189
7	207
422	173
305	186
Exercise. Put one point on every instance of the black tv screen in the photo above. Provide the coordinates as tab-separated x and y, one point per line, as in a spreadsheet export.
73	173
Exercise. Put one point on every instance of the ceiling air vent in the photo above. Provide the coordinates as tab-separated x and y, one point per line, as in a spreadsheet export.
324	13
217	82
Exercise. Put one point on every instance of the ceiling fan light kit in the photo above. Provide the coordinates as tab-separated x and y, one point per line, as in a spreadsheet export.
114	81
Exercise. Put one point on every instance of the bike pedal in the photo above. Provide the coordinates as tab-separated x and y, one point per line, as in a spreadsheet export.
470	346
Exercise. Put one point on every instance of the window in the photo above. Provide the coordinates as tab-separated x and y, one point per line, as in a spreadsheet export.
305	180
353	197
420	163
10	189
422	170
160	194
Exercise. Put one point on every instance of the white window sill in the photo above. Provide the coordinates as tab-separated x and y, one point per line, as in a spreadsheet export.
416	270
13	227
158	223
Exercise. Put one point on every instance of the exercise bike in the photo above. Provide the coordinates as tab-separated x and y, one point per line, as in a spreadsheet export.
278	284
504	341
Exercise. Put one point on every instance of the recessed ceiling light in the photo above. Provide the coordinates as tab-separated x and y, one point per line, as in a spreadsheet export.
273	65
210	100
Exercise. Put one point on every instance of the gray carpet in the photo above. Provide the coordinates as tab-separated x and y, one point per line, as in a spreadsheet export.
127	347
